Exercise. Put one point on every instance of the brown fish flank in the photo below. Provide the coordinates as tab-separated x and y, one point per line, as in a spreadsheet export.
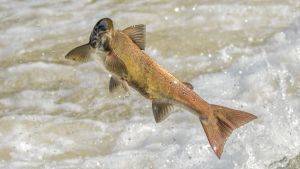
147	74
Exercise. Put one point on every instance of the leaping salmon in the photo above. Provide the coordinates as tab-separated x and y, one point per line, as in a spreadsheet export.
131	66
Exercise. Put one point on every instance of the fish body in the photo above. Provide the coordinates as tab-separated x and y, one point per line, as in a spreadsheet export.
150	79
125	58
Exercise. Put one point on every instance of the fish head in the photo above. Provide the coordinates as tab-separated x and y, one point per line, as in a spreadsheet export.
101	34
98	42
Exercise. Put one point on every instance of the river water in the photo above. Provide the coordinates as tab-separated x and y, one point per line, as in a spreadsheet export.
59	114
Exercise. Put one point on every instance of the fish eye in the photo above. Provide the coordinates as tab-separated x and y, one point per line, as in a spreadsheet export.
103	26
100	28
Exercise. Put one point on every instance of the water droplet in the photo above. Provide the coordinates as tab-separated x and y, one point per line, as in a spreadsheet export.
250	39
194	8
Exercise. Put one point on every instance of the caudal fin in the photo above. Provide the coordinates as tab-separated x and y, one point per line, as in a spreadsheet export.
221	126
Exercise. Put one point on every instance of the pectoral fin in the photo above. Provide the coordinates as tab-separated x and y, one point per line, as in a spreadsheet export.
189	85
115	65
137	33
161	110
80	53
114	83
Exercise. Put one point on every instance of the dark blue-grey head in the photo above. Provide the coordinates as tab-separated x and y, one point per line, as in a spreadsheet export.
97	37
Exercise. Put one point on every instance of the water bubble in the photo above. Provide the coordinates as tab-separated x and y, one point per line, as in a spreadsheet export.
194	8
250	39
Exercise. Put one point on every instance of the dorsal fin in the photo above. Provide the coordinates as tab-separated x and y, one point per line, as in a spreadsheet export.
137	33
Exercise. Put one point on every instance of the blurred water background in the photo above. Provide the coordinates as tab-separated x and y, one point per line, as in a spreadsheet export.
243	54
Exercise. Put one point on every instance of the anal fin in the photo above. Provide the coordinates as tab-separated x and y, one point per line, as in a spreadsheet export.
114	83
161	110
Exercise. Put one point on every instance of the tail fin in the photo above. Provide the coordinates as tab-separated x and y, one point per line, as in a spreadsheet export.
225	121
